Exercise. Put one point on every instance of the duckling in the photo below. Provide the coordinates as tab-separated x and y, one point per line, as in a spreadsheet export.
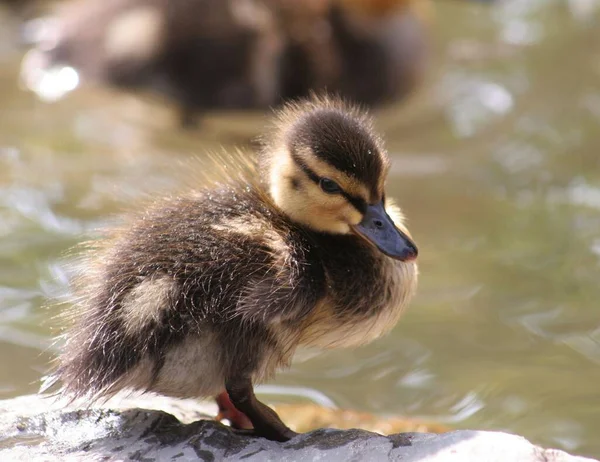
213	289
205	54
235	54
369	51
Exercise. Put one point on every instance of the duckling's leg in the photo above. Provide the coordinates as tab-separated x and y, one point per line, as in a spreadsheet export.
265	420
227	410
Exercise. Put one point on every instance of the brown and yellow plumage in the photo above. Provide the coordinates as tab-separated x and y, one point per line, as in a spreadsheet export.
215	288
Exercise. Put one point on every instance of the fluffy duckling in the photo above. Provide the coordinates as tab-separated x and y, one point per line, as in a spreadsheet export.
370	51
219	54
203	53
214	289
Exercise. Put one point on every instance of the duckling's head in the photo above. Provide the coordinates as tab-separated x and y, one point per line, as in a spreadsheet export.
325	168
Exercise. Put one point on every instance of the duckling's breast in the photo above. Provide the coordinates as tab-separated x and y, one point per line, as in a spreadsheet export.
366	294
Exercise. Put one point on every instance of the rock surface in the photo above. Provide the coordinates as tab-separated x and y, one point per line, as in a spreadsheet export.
37	429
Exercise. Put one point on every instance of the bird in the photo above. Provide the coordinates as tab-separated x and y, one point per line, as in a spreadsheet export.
231	54
371	52
204	54
210	290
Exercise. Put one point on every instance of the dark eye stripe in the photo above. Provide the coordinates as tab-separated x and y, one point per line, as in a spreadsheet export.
357	202
305	168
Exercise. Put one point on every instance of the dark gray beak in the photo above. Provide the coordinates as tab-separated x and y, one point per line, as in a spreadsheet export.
378	228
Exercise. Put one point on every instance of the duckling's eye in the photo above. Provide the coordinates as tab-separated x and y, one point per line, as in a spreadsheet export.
329	186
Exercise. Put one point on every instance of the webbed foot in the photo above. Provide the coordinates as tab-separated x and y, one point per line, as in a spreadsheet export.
265	420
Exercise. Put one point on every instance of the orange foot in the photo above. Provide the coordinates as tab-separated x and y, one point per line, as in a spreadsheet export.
228	411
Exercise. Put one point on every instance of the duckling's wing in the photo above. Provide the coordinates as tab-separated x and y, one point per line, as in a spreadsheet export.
219	269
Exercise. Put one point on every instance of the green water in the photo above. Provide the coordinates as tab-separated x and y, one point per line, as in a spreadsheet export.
496	163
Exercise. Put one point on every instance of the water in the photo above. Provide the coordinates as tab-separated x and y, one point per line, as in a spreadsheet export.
496	163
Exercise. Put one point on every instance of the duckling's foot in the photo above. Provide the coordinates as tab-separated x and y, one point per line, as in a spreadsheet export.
227	410
265	420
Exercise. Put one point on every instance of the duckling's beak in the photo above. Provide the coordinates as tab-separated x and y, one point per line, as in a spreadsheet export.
378	228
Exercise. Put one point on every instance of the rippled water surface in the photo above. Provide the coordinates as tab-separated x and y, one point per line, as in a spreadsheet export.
496	162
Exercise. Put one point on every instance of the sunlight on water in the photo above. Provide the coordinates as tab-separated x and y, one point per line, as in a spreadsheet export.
50	84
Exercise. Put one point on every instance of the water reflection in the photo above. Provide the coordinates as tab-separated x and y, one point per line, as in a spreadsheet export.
474	103
52	84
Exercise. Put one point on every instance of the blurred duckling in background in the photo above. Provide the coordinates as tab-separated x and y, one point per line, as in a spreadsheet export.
223	54
203	53
369	51
210	291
